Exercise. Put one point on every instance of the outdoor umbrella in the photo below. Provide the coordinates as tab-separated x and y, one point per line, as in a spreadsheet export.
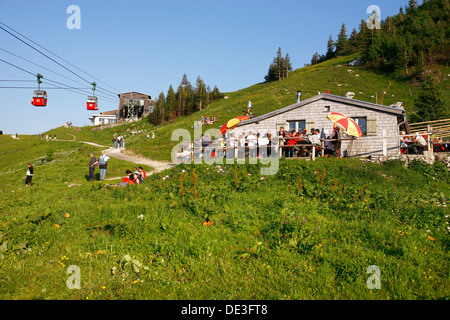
232	123
346	123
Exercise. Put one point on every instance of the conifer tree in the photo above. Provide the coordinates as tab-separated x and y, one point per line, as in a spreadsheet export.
315	59
330	48
342	41
162	116
200	95
287	65
429	103
216	94
171	104
181	104
412	5
353	39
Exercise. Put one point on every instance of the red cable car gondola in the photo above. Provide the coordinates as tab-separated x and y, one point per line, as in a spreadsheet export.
92	101
39	96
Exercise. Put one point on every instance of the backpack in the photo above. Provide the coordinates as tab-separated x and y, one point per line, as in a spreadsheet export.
102	161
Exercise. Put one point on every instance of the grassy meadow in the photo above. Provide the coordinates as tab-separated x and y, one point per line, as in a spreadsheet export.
220	231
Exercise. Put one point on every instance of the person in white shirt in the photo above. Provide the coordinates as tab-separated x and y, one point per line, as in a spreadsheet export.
103	164
419	143
262	144
315	138
231	146
252	141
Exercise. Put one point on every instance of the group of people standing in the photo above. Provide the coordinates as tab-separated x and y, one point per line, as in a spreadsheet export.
119	142
101	162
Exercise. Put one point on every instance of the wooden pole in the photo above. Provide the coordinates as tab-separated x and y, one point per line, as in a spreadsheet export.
429	138
322	144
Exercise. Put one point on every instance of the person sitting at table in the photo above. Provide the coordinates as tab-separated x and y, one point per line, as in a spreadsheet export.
419	144
290	143
403	144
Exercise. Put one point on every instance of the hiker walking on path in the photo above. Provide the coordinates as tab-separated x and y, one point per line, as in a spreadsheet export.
29	175
103	164
92	164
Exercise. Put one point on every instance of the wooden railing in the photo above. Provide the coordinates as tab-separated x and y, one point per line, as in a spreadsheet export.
196	148
440	128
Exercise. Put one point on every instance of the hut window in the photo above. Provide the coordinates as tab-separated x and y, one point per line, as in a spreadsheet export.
362	123
297	125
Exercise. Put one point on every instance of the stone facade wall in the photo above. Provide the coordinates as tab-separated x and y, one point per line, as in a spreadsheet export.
315	116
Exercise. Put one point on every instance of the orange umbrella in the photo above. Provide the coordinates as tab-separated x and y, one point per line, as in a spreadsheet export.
232	123
346	123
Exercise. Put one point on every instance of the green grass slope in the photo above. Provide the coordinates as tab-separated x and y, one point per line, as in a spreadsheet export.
312	233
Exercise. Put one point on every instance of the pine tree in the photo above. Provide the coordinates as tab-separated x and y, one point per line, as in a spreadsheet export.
364	37
208	93
330	48
429	103
200	95
353	39
315	59
157	115
216	94
180	101
342	41
287	65
162	116
185	96
171	104
412	5
279	65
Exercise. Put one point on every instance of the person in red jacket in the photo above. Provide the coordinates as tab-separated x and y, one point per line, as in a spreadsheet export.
291	144
143	173
127	178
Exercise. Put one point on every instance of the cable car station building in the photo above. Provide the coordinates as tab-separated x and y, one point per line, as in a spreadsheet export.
134	105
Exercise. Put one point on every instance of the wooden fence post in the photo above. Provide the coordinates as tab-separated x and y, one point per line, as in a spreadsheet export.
428	137
322	149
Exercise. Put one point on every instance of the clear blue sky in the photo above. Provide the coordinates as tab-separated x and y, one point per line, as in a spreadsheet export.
146	46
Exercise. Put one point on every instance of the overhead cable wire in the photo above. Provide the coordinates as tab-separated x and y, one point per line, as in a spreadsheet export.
67	88
49	80
55	56
57	73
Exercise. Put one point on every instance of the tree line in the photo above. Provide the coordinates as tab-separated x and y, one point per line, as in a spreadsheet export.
417	36
185	100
